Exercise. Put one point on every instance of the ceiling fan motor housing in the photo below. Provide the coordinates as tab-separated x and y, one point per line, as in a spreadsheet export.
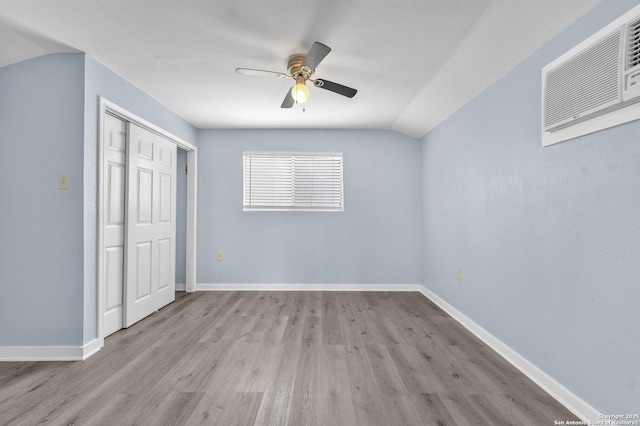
295	67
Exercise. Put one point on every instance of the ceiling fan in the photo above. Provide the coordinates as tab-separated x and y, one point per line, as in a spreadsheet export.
301	68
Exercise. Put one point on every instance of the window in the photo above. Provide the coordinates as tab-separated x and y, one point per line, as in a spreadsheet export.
292	181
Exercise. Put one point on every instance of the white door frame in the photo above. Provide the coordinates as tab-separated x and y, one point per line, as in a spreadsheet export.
107	106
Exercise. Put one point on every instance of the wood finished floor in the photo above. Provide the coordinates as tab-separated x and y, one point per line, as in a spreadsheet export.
282	358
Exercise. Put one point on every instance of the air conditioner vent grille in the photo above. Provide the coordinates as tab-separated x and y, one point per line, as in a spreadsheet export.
633	44
585	84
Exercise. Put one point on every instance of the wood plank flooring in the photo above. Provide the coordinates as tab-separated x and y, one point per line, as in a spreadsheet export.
282	358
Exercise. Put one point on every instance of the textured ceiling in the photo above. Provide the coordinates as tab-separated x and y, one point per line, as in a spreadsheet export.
413	62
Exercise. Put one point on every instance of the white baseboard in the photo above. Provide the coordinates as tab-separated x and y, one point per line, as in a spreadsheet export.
91	348
49	353
565	397
306	287
181	287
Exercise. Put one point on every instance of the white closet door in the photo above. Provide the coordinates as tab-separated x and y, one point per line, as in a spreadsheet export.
151	224
115	140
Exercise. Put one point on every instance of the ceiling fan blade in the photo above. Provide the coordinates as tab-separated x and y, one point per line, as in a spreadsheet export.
315	55
260	73
288	100
337	88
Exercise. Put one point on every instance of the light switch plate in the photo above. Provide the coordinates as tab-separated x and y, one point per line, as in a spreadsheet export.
63	181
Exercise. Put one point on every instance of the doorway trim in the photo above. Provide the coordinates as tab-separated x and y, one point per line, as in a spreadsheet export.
108	107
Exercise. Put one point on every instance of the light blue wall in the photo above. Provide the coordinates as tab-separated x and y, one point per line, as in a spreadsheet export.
41	131
375	240
49	126
100	81
548	239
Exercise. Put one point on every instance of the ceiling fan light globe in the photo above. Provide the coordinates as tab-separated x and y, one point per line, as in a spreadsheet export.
300	93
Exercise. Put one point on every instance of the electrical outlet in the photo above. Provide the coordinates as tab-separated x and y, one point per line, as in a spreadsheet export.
220	256
458	274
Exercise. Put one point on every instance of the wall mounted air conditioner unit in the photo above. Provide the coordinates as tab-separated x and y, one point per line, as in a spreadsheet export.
595	85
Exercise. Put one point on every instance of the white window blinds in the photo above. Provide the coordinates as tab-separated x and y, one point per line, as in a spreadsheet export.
292	181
